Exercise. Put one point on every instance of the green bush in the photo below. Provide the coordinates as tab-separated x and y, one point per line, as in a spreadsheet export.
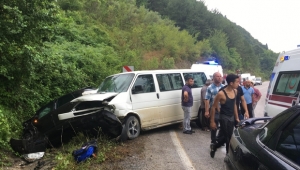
10	126
5	130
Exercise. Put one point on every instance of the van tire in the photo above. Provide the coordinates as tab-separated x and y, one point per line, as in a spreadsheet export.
131	128
199	120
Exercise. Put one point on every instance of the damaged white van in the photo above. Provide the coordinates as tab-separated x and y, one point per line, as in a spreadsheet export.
124	104
142	100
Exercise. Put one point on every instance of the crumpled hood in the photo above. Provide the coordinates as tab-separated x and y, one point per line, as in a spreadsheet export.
94	97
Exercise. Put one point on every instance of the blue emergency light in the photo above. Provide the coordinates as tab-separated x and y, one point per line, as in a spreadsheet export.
210	62
286	57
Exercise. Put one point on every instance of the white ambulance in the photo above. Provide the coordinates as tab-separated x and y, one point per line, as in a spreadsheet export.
209	67
284	86
252	78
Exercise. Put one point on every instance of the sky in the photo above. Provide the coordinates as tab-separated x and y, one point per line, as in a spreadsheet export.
272	22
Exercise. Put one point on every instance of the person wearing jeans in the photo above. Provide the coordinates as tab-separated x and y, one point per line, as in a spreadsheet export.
211	93
187	103
205	120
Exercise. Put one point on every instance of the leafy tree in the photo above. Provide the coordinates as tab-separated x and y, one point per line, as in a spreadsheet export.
267	61
199	22
218	41
141	3
24	25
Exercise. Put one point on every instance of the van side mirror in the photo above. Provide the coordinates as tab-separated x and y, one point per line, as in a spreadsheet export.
137	89
133	90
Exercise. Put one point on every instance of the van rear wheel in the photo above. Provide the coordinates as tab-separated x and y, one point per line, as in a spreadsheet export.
132	128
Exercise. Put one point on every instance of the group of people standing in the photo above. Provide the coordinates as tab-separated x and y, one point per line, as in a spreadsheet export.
221	105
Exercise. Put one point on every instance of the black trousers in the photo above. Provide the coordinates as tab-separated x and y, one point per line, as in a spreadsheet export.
226	129
250	110
213	133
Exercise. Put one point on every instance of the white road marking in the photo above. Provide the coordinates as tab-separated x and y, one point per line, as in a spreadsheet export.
183	156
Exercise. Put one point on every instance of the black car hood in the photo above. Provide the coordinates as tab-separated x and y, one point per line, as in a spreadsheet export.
247	134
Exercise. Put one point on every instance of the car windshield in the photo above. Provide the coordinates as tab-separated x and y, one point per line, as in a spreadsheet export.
45	110
117	83
258	79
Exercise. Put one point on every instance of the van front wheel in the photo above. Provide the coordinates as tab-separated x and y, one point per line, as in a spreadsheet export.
199	119
132	127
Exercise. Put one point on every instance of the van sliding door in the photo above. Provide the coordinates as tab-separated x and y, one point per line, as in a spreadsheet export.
170	85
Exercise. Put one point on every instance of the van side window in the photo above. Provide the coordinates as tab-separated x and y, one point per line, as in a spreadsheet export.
167	82
199	79
287	84
144	84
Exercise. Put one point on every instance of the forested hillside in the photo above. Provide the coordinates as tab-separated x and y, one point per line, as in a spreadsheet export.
232	45
49	48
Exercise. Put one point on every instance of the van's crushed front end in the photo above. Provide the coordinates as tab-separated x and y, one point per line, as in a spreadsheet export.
89	114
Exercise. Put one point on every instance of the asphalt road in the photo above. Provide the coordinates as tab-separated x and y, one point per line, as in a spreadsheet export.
169	148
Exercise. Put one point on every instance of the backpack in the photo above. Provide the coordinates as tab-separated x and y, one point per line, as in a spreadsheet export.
87	150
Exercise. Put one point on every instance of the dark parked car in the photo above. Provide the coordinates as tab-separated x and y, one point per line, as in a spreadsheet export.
61	119
271	145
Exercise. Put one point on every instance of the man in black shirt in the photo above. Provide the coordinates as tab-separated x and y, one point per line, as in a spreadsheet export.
240	102
227	97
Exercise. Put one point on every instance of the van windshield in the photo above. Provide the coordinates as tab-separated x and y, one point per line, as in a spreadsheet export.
258	79
117	83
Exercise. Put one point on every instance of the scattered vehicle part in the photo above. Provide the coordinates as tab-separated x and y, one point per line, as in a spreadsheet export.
33	156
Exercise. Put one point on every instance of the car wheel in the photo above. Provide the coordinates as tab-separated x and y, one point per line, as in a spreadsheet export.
199	120
131	128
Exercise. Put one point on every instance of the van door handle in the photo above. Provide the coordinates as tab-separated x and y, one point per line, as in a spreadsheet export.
157	95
